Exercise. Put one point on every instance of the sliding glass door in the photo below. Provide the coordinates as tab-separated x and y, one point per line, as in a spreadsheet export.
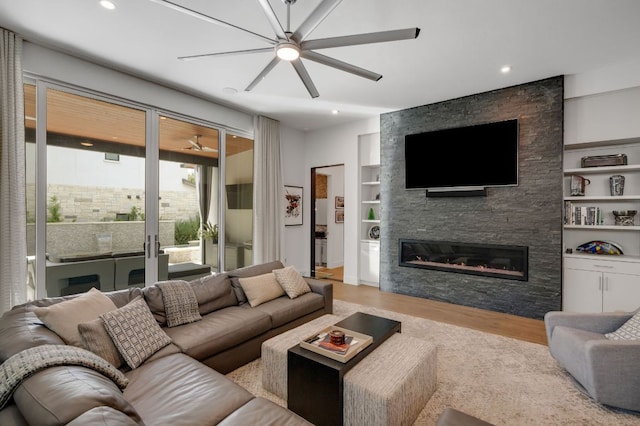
120	195
189	193
96	187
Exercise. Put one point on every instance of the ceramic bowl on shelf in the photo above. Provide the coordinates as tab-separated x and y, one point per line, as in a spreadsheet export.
374	232
624	217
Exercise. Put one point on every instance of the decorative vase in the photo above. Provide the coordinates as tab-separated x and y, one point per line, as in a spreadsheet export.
372	215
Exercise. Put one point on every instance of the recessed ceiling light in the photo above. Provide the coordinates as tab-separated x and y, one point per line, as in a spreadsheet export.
86	144
229	91
107	4
505	69
335	112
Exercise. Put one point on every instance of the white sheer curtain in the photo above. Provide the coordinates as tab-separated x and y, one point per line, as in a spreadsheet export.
13	241
268	206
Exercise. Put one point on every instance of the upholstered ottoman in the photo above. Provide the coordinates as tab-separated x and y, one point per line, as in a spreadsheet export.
452	417
392	384
274	353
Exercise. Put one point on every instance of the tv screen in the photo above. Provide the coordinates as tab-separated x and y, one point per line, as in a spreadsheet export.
240	196
473	156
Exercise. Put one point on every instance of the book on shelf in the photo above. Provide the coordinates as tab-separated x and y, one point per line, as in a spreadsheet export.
582	215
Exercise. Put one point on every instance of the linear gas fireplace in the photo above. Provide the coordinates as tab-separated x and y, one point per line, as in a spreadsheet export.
492	260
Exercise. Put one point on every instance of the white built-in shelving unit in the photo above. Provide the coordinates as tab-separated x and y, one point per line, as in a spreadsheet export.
369	196
595	125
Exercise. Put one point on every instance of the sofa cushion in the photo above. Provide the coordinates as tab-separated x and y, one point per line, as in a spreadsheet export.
177	390
250	271
105	416
220	330
96	339
153	297
630	330
58	395
283	310
135	332
63	318
214	292
260	411
21	329
261	288
180	303
291	282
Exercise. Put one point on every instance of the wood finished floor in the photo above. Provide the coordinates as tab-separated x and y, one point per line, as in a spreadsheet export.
526	329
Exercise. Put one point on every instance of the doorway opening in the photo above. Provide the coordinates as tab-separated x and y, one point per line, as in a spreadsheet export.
327	222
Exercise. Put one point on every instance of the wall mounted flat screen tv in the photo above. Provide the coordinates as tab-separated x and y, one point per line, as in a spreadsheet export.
473	156
240	196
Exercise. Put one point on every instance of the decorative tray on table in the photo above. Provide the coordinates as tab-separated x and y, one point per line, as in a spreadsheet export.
320	343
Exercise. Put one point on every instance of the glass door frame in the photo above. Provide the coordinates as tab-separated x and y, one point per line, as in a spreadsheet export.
151	176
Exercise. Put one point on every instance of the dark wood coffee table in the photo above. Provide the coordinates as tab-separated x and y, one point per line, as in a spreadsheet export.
315	382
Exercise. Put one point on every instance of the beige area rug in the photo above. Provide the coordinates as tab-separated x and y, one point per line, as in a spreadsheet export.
498	379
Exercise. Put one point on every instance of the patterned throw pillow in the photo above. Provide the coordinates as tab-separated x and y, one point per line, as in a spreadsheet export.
135	332
261	288
63	318
292	282
630	330
96	339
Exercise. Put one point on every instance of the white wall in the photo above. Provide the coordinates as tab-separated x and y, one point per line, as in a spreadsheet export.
42	61
326	147
296	238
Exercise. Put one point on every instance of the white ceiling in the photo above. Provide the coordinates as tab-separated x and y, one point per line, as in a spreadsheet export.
460	50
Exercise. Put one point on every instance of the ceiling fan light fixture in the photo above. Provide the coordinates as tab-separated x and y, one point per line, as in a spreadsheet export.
287	51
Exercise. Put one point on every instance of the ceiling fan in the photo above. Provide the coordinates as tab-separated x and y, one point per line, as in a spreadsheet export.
291	46
197	146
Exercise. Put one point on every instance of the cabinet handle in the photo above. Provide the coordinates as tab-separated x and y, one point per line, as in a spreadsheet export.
606	284
600	283
604	266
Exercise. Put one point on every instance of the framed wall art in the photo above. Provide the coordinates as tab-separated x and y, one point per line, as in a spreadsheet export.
339	216
339	202
292	205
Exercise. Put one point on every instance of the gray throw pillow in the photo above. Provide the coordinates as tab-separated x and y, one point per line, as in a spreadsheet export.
135	332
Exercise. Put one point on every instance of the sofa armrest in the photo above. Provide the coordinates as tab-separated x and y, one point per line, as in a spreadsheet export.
602	323
615	372
325	289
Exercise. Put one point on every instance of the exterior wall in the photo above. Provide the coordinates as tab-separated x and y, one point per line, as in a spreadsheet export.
529	214
66	238
95	204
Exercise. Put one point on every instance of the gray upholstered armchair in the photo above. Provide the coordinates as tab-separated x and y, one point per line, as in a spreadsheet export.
608	370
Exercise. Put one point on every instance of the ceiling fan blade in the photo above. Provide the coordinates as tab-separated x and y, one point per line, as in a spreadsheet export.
208	18
322	11
229	53
367	38
206	148
304	76
195	145
343	66
273	20
263	73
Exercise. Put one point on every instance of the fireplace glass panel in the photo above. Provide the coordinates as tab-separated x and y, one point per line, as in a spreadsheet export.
501	261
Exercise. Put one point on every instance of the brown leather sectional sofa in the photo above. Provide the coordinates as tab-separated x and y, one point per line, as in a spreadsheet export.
183	383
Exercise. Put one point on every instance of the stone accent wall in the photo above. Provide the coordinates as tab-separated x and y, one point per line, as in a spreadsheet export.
94	204
529	214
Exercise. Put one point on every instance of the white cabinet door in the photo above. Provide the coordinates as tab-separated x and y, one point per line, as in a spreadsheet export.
582	291
370	263
621	292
